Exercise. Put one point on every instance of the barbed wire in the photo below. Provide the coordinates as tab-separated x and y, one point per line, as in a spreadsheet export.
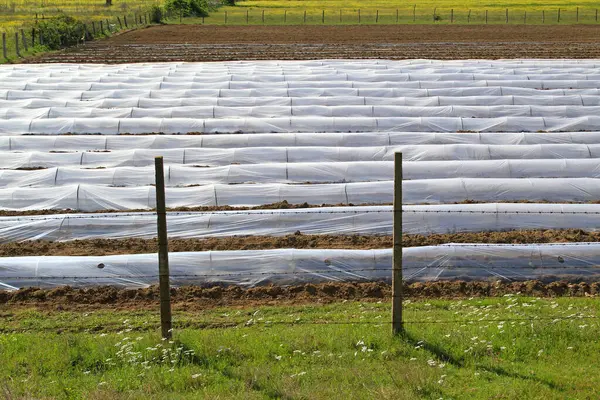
304	211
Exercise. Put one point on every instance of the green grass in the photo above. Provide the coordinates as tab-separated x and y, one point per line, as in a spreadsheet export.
112	354
280	12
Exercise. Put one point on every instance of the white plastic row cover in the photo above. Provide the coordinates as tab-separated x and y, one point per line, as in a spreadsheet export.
372	220
316	172
431	191
291	80
330	139
579	88
303	111
204	157
293	266
115	126
431	101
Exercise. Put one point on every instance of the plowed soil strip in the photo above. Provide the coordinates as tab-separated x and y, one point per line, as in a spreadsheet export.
223	43
188	298
103	247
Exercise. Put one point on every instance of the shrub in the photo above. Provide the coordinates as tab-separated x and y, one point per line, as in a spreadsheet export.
156	15
188	8
61	31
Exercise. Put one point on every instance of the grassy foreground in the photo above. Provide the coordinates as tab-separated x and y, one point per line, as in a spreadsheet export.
510	347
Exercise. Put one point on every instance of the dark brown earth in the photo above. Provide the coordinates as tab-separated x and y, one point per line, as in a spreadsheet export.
102	247
297	42
194	297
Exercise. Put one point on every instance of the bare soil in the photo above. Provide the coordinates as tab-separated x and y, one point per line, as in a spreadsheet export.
195	297
224	43
103	247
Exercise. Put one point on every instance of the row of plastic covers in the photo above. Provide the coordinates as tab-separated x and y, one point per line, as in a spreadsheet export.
314	172
285	266
372	220
115	126
63	143
398	82
449	89
303	111
204	157
331	101
88	198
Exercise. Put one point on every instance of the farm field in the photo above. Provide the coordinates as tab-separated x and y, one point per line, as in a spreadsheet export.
511	346
279	152
206	43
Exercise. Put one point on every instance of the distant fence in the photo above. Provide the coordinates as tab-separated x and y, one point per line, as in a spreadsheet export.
256	16
20	42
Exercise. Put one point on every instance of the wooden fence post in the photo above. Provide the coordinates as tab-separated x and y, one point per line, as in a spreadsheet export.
452	15
377	17
247	17
414	13
486	17
396	15
119	21
163	252
17	44
558	15
284	16
25	46
507	15
525	18
225	17
125	20
469	17
577	15
323	17
543	17
4	52
359	15
263	16
340	15
397	288
596	15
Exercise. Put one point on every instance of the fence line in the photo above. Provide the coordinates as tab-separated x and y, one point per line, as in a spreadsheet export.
119	214
19	46
390	16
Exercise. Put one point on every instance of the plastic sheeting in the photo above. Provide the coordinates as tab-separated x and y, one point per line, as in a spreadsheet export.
330	139
205	157
291	266
313	172
90	198
468	111
373	220
115	126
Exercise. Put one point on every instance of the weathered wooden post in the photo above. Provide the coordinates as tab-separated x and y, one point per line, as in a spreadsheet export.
507	15
166	323
4	52
452	15
397	288
17	44
25	46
